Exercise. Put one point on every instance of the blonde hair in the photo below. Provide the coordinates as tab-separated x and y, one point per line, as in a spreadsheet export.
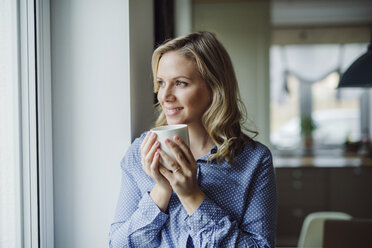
226	114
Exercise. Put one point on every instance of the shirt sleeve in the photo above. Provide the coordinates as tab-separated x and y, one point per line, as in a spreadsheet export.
210	226
138	221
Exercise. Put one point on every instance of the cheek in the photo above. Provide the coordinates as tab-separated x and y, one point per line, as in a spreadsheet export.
200	101
159	96
205	101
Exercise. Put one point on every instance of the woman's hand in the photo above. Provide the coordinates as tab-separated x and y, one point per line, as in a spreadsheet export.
162	190
183	178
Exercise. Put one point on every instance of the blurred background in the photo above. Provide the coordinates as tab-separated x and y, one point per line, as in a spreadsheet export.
76	90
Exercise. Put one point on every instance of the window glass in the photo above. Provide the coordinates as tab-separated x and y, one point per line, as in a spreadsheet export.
336	113
304	81
9	147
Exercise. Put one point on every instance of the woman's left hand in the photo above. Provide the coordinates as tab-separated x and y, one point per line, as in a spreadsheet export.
183	178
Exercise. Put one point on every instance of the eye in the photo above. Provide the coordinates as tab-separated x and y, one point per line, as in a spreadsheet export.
160	83
181	83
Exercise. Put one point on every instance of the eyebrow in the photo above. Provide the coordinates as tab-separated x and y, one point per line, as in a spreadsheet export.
178	77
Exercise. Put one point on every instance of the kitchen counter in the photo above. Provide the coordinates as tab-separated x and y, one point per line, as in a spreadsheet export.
321	161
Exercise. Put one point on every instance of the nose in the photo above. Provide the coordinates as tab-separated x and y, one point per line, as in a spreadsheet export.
166	93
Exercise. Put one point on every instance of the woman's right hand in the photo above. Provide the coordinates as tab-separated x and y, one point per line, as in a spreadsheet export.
162	190
150	161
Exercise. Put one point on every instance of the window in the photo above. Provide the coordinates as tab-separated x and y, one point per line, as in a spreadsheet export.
26	209
304	81
10	187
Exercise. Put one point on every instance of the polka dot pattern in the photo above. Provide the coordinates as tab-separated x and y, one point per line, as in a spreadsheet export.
239	210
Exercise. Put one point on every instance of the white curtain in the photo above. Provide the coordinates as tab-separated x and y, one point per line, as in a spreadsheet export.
309	63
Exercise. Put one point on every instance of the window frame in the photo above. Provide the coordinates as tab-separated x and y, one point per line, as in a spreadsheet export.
35	123
45	131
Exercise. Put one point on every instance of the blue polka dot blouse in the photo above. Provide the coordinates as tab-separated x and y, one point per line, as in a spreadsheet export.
239	209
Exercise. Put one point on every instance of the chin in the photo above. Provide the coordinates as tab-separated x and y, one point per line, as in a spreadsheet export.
175	122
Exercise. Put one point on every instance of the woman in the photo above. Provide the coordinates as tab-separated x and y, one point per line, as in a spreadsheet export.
221	190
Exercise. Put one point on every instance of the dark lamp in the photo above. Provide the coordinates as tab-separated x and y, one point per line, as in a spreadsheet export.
359	74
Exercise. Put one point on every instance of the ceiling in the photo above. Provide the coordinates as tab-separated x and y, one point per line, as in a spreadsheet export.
321	13
315	12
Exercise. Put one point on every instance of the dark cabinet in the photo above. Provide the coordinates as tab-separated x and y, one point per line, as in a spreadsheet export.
303	190
351	191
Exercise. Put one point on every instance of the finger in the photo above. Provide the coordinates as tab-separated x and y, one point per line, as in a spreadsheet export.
156	167
166	173
177	153
185	148
146	139
150	155
168	160
149	143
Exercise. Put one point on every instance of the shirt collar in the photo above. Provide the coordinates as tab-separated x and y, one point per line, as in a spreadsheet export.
206	156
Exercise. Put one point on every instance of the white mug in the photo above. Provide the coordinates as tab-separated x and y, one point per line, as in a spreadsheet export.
168	132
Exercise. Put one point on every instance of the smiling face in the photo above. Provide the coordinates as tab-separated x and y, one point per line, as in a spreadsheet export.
183	94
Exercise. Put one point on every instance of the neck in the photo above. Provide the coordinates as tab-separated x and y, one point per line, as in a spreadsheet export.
200	141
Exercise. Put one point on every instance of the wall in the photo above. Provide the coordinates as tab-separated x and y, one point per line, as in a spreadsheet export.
244	29
94	120
183	17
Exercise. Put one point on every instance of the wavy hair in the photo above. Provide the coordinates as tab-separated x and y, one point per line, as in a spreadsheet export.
226	114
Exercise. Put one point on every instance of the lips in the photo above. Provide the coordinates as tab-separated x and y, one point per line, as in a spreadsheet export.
172	111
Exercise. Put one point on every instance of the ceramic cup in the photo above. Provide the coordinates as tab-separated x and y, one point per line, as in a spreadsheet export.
168	132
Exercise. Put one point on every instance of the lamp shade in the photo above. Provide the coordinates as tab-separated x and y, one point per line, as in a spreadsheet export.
359	74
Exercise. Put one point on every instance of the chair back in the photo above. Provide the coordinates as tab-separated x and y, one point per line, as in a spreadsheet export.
347	233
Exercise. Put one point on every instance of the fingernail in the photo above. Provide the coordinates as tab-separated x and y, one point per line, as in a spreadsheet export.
177	138
167	140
